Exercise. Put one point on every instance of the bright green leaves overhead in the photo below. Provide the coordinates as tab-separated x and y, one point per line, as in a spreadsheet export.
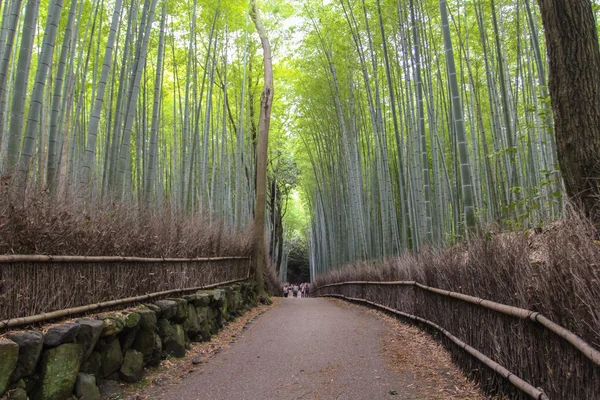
473	135
370	138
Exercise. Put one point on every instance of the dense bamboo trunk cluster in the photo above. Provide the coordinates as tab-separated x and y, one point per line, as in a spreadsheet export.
134	100
414	122
423	120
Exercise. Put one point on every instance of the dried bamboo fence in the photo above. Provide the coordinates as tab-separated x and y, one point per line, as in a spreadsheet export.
525	354
38	286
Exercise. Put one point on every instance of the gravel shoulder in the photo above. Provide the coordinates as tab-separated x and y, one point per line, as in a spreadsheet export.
321	349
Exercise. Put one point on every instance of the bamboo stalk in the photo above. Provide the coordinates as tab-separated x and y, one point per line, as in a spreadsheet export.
11	323
517	382
586	349
11	259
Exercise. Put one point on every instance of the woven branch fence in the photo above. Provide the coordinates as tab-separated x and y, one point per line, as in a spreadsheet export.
37	285
509	350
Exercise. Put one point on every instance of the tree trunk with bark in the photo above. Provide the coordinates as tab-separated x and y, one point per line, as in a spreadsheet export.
574	61
266	102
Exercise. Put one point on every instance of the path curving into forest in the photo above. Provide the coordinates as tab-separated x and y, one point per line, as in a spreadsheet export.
308	349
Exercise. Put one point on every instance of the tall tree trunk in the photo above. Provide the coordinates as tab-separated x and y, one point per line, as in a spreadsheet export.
21	81
421	130
153	156
266	102
35	107
58	101
90	153
513	180
115	142
11	27
124	153
574	64
459	124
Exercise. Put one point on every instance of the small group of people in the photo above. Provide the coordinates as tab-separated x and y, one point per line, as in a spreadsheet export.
303	289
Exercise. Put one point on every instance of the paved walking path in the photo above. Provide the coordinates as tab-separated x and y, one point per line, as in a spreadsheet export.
302	349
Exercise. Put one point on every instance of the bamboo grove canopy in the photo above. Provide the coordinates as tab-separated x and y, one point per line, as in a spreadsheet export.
396	123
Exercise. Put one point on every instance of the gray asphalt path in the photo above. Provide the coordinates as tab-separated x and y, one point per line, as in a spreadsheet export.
301	349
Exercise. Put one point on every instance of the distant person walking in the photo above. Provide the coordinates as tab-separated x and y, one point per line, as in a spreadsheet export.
295	290
286	290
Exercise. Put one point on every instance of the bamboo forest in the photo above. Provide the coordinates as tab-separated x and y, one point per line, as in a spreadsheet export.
451	144
416	118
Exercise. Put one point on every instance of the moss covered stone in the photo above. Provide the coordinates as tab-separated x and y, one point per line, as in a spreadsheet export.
113	324
132	368
174	344
147	319
89	333
144	343
18	394
132	320
181	310
112	357
85	387
165	329
152	307
92	364
225	312
168	308
204	321
127	338
204	299
218	297
19	384
31	382
9	355
59	369
238	299
157	354
65	333
200	299
202	313
192	322
110	389
214	318
116	346
30	350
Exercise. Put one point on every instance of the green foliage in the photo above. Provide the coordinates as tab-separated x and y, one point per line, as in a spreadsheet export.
352	179
365	186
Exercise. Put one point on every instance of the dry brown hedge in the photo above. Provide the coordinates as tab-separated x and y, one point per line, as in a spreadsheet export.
554	271
43	224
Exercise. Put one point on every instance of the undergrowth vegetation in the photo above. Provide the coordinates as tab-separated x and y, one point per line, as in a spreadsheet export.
272	283
552	270
43	224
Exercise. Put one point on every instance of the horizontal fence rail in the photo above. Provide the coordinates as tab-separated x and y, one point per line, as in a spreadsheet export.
33	319
35	287
111	259
522	346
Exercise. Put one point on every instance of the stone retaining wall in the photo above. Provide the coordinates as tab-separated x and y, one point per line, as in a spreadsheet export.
73	359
